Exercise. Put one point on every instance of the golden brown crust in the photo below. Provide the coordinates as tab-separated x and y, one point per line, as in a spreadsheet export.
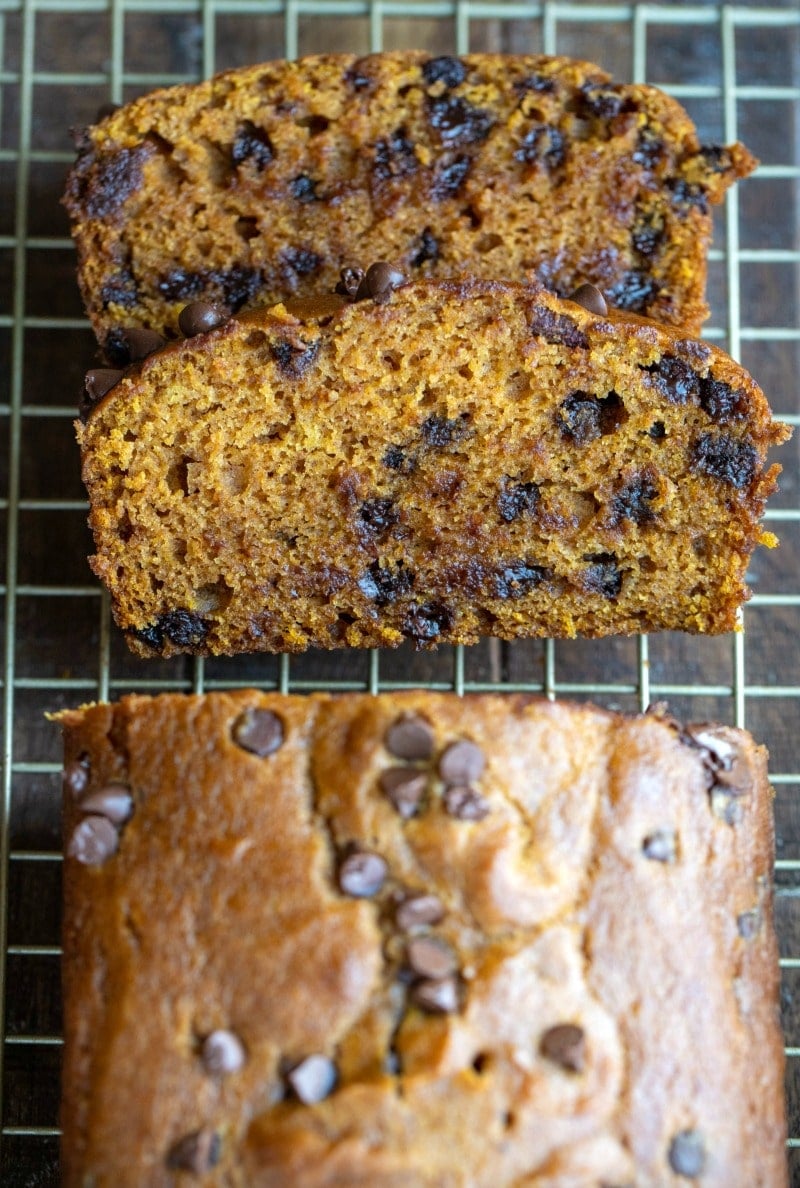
618	885
263	182
470	458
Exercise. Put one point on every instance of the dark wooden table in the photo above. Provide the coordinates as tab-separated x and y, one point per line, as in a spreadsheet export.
738	73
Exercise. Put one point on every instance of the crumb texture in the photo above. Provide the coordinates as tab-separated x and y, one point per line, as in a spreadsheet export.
549	962
462	460
264	182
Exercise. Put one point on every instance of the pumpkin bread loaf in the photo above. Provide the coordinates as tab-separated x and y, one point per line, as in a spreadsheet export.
264	182
416	941
448	461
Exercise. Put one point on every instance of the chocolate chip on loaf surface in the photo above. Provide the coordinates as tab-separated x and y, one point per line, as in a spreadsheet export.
533	996
265	181
462	460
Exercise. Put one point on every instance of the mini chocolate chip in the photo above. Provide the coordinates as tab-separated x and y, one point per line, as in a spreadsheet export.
252	144
259	731
380	281
142	342
410	737
349	280
222	1053
517	499
405	787
436	996
687	1156
603	576
417	910
197	1152
431	958
589	297
462	762
93	841
465	803
542	143
396	459
98	381
565	1044
660	846
748	924
114	801
313	1079
200	317
428	249
440	432
76	776
726	458
362	874
447	70
449	178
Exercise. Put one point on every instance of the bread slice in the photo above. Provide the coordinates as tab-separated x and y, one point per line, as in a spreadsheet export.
461	460
264	182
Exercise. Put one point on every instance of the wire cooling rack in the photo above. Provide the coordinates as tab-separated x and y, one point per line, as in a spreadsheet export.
737	69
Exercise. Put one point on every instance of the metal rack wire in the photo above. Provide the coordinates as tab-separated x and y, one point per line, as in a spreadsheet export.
737	69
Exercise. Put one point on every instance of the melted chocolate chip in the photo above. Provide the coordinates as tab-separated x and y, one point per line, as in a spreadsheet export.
437	997
603	102
380	281
660	846
431	958
457	121
183	628
675	379
376	517
313	1079
539	83
419	910
449	178
410	737
544	144
356	78
723	403
647	234
650	149
427	621
565	1045
114	801
197	1152
589	297
76	776
428	249
583	417
93	841
362	874
450	71
222	1053
384	585
405	787
440	432
657	431
686	195
687	1156
304	189
394	156
726	458
632	501
555	328
181	284
294	358
253	145
517	499
603	576
200	317
635	290
120	289
462	762
142	342
465	803
396	459
301	261
113	179
517	580
258	731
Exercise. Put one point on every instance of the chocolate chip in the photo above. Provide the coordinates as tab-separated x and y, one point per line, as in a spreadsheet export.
457	121
675	379
252	144
142	342
465	803
419	910
349	280
304	189
97	383
632	501
356	78
650	149
647	234
635	290
114	801
604	102
197	1152
555	328
362	874
431	958
395	156
294	358
517	499
238	285
428	249
687	1156
565	1045
726	458
302	261
405	787
410	737
76	776
462	762
222	1053
200	317
723	403
384	585
657	430
380	281
717	157
517	580
120	289
181	284
603	576
660	846
449	178
748	924
583	417
427	621
313	1079
183	628
376	517
396	459
447	70
93	841
544	144
440	432
589	297
437	997
111	180
259	731
686	195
